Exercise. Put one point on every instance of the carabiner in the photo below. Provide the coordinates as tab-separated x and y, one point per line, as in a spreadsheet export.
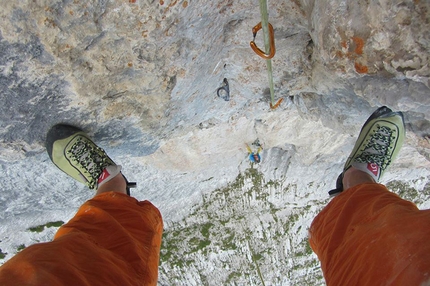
272	42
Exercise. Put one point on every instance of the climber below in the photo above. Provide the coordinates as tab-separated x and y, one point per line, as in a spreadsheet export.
254	156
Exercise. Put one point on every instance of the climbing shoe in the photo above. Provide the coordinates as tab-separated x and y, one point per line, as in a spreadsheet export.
378	144
73	152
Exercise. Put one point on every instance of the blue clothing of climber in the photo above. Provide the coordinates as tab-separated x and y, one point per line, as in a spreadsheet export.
254	156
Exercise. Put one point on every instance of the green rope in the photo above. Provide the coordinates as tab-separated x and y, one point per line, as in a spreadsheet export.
265	28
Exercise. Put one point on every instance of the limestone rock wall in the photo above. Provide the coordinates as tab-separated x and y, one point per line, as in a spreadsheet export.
140	76
148	65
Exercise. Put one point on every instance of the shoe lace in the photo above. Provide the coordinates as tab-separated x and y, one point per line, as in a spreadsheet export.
377	150
90	157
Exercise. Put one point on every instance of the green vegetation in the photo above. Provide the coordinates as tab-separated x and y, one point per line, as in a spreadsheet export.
205	229
42	227
2	254
405	191
247	235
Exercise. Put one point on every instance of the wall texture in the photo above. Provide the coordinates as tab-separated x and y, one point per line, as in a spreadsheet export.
141	76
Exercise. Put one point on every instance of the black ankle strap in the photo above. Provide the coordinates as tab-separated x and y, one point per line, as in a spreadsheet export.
339	186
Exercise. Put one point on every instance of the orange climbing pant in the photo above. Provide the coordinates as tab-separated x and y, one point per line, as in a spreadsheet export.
370	236
112	240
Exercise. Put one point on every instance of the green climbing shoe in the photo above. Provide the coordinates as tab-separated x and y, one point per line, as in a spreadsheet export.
75	154
378	144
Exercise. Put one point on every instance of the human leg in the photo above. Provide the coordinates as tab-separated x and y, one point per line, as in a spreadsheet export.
367	235
116	184
353	177
112	240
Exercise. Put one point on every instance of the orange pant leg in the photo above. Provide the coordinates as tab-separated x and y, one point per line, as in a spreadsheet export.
370	236
112	240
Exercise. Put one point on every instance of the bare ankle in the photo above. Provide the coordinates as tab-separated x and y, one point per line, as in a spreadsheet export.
117	184
354	177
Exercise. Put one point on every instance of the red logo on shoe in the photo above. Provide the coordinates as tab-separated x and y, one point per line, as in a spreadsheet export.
372	167
103	176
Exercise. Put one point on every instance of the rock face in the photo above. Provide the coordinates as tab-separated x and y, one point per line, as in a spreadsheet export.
141	77
359	38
